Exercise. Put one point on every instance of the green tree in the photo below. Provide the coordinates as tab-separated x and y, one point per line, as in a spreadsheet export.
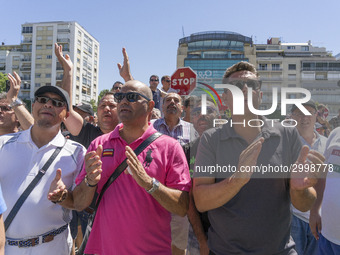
102	93
3	79
94	105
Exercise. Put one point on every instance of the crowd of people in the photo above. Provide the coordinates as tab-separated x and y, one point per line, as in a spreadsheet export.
173	197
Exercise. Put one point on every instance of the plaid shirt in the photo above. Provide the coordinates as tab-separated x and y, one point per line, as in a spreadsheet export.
335	122
183	132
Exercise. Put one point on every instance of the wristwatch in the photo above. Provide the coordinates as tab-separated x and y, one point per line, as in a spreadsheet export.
16	102
155	186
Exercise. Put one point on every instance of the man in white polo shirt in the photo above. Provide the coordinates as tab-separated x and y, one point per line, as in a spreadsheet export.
40	226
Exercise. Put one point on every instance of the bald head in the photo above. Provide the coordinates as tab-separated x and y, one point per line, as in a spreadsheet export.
139	86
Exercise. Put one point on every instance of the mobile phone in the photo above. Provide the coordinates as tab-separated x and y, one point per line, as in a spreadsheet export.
8	85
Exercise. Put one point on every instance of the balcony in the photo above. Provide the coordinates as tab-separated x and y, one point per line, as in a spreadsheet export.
64	30
26	50
25	68
63	40
26	60
26	41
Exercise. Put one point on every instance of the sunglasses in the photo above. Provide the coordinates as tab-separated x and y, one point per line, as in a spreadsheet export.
167	80
130	96
5	108
154	80
55	102
116	88
198	111
254	84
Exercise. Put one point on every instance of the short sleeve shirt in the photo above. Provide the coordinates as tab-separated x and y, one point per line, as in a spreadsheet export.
129	220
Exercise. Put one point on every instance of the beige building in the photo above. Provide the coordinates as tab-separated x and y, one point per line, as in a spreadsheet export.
300	65
35	61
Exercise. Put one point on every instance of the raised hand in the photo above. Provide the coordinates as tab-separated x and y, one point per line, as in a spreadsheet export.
93	166
57	189
124	70
307	169
65	61
13	92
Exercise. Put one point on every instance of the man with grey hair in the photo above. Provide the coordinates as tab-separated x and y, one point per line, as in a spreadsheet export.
249	210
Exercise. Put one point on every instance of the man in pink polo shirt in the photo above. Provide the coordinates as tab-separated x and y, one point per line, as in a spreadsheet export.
134	215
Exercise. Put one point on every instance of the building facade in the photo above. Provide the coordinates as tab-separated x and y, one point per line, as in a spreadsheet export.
34	59
295	65
210	53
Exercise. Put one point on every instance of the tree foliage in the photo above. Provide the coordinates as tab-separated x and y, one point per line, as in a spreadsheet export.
3	79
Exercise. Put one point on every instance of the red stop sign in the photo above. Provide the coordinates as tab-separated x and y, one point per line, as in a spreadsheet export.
183	80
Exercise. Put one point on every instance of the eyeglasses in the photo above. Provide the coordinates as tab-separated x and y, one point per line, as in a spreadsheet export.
130	96
5	108
154	80
116	88
254	84
198	111
55	102
167	80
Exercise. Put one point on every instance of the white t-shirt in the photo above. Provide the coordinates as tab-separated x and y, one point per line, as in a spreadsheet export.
331	199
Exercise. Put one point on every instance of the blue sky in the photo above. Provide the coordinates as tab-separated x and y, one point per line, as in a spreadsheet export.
150	29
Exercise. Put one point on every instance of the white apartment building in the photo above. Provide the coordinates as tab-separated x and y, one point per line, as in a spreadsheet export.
35	61
299	65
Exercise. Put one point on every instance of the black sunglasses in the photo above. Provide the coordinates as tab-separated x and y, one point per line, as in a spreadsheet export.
167	80
130	96
44	100
5	108
254	84
115	88
154	80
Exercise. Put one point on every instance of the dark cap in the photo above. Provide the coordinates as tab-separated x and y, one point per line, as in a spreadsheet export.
85	108
56	90
310	103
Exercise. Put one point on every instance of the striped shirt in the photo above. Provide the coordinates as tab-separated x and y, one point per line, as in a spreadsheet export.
182	132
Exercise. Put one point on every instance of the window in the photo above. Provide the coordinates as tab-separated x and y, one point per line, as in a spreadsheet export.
48	56
37	66
49	47
79	42
79	33
276	66
291	77
37	85
78	60
291	66
39	57
38	75
48	66
49	38
39	47
262	66
78	78
39	38
304	48
49	28
16	58
291	85
291	47
78	51
40	28
48	75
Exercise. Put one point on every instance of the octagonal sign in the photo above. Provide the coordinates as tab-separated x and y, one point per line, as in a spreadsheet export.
183	80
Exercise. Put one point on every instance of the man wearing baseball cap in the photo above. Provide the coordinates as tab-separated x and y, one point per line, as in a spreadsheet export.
85	111
40	226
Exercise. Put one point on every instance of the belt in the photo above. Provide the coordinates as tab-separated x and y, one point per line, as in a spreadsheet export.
45	238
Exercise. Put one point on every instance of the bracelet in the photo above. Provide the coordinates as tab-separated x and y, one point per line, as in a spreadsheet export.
88	184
